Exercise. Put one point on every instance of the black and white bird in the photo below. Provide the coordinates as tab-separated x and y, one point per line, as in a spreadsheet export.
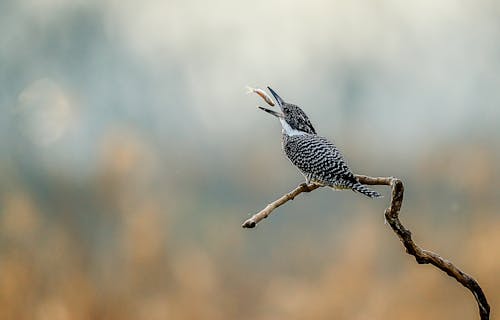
316	157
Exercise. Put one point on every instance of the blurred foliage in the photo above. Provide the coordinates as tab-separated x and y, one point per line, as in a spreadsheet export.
144	248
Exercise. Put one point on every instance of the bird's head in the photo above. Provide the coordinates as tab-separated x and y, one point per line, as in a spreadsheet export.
293	119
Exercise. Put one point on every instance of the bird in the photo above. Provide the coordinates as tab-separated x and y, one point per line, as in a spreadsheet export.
316	157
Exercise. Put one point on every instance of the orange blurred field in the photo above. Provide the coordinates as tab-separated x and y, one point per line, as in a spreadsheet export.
139	260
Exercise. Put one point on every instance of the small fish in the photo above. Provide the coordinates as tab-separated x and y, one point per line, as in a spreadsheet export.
262	94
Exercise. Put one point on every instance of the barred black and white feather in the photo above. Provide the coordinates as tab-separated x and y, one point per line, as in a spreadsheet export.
320	161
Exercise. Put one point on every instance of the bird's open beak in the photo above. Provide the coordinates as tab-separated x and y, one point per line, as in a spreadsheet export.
274	113
280	104
278	98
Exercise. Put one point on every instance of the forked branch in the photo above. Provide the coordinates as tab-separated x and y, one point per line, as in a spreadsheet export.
392	217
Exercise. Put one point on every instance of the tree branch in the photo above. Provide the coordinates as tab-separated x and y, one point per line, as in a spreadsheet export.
392	217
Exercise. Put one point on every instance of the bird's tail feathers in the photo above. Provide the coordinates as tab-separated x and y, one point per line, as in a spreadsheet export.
361	188
353	184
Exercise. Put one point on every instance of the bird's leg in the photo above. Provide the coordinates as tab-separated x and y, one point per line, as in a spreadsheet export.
308	178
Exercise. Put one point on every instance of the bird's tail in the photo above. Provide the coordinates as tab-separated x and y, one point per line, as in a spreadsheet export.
361	188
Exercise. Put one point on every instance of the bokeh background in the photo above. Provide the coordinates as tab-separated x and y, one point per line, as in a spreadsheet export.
130	154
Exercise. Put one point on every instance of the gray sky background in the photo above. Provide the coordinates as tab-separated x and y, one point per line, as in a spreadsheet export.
177	69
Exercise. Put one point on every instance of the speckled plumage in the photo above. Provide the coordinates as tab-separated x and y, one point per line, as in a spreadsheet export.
297	118
320	161
317	158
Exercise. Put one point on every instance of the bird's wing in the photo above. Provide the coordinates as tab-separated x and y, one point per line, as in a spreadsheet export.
317	156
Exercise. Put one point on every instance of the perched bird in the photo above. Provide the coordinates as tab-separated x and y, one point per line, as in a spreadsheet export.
316	157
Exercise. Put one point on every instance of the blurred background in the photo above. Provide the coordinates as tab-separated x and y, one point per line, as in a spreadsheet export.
130	154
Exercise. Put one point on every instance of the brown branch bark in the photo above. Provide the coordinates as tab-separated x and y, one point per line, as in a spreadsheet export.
392	217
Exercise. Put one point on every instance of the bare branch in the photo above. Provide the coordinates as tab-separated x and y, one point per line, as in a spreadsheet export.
392	217
264	213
